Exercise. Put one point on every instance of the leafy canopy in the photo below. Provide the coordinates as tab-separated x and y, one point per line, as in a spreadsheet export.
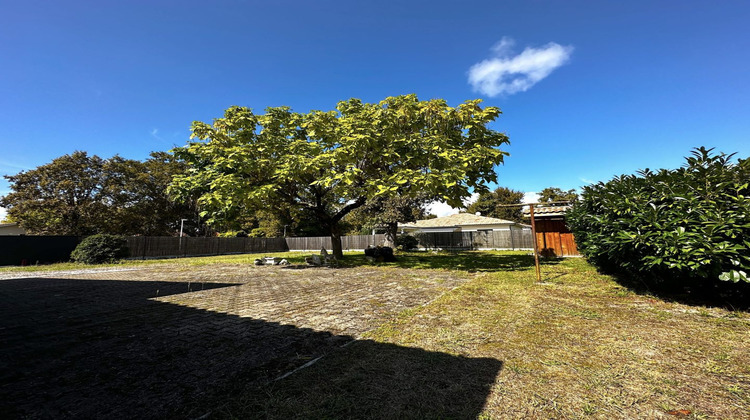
554	194
491	204
328	163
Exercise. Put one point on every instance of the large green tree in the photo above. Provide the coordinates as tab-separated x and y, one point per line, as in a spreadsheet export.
78	194
492	204
136	194
328	164
63	197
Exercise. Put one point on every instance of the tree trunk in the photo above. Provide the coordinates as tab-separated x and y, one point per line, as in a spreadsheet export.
336	243
391	231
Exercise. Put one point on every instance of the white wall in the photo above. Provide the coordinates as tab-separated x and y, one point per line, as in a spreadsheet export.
11	230
474	228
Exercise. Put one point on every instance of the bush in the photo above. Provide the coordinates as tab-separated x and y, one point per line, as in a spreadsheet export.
381	253
688	223
406	242
101	248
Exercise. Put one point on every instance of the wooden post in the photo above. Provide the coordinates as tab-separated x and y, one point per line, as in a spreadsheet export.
536	248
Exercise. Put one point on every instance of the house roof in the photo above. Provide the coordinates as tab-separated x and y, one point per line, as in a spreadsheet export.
546	211
460	219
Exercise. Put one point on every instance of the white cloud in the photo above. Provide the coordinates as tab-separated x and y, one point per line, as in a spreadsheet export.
506	73
530	197
3	213
441	209
155	134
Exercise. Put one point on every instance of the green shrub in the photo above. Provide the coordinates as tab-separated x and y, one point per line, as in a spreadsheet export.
406	242
381	253
101	248
688	223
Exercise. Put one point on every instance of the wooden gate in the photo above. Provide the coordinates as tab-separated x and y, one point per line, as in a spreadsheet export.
554	239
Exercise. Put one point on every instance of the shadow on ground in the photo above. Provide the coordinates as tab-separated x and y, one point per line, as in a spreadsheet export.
471	261
106	349
707	292
376	381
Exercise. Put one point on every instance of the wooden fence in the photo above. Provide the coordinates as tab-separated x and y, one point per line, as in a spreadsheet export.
166	246
315	243
18	250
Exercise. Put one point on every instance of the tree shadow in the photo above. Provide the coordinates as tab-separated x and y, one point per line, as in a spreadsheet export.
376	381
107	349
471	261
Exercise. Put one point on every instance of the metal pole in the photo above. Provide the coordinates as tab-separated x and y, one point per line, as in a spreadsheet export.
536	248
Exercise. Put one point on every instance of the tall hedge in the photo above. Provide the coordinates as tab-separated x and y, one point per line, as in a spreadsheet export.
670	225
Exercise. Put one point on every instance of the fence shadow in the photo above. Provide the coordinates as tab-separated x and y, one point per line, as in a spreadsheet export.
106	349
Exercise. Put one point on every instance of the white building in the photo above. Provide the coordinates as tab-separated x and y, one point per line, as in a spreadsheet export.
11	229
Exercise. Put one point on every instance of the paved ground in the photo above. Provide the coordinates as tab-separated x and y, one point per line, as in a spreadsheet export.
172	341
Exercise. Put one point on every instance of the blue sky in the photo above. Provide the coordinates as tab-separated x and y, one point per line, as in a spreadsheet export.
588	89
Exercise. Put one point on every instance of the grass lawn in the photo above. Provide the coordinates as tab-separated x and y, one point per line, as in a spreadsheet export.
577	345
501	345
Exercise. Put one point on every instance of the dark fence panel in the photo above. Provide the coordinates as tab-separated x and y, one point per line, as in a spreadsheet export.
17	250
165	246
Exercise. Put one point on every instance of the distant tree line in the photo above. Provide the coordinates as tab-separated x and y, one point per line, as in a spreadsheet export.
82	194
